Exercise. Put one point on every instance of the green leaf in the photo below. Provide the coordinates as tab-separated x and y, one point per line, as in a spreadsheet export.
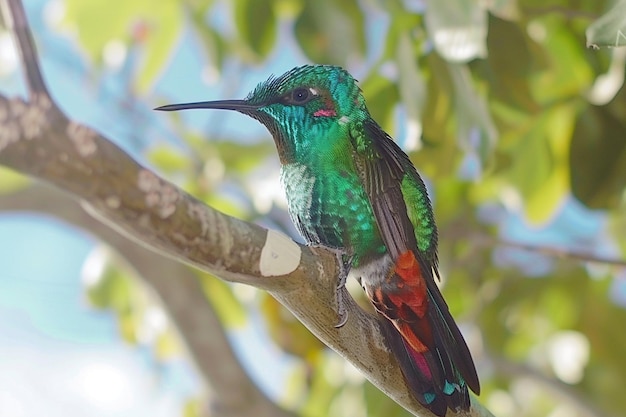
227	307
242	158
256	23
11	181
509	64
566	70
381	95
288	333
331	32
475	127
543	202
610	29
538	161
164	27
168	159
438	109
379	404
598	158
412	89
152	27
107	284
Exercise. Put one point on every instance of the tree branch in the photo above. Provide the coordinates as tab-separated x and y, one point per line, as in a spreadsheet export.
37	139
16	22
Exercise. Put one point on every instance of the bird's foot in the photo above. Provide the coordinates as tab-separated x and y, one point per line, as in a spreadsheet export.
341	307
345	261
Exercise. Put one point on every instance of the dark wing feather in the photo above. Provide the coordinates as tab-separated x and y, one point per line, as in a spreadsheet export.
382	177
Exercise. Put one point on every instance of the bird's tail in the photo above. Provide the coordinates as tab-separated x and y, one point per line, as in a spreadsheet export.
431	385
433	356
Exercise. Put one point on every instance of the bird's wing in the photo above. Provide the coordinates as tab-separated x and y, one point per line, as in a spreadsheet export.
411	300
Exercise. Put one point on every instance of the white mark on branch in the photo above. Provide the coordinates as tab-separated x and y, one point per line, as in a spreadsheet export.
279	256
113	202
83	139
202	215
147	181
32	118
223	234
23	121
159	194
215	228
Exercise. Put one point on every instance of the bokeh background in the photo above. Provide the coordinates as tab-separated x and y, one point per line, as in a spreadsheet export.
518	129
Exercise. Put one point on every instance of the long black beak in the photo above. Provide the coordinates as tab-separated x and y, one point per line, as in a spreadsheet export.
238	105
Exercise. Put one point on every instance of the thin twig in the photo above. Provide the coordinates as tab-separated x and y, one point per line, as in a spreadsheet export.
15	18
554	252
565	253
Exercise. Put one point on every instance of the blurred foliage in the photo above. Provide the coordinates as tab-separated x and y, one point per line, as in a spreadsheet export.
149	26
10	181
506	114
111	284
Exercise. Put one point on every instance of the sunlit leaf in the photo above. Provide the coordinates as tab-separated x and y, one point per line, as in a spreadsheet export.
549	195
242	158
151	27
379	92
565	71
331	32
257	25
162	29
226	305
476	130
167	345
378	404
598	158
168	159
11	181
288	333
107	285
192	408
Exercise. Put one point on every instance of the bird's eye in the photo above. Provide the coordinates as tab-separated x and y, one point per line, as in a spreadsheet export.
300	95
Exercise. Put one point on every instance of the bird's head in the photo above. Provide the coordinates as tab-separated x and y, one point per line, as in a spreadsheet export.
303	106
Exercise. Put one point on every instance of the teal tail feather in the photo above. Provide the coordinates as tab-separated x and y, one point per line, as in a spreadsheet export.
432	386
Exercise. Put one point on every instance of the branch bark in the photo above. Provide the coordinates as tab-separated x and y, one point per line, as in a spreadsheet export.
38	140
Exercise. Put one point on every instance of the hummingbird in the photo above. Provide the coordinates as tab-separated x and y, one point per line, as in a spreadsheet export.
352	189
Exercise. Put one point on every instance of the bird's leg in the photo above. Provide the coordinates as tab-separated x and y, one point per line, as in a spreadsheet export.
345	261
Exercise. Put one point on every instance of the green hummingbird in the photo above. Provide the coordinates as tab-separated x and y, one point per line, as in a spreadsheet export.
351	188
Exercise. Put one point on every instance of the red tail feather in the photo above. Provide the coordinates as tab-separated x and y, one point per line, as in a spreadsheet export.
423	336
